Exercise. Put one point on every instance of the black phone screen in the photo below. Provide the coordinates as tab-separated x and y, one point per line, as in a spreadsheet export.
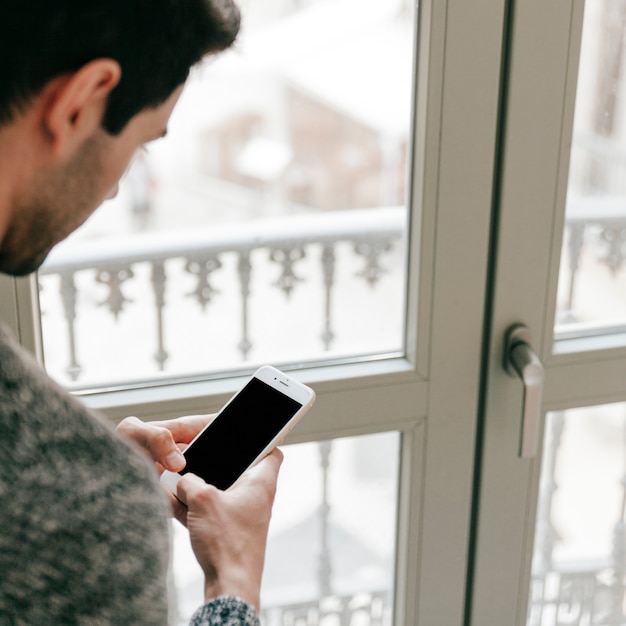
239	434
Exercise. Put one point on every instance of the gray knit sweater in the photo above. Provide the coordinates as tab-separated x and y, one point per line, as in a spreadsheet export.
83	523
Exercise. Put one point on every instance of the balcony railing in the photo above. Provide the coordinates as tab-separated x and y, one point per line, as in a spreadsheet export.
597	223
362	609
167	259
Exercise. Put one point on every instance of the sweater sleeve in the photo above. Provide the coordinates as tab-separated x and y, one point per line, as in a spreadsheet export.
225	611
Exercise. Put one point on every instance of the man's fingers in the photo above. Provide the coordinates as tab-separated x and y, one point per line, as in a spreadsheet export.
184	429
157	440
164	440
188	486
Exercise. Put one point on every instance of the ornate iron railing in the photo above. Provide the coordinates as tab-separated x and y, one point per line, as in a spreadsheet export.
360	609
598	223
286	242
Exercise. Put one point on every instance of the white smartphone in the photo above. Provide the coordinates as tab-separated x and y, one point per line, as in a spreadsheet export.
251	424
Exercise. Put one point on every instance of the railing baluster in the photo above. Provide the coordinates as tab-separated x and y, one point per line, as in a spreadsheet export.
113	279
287	257
613	234
324	567
244	268
372	249
328	270
202	267
545	532
68	296
158	284
575	244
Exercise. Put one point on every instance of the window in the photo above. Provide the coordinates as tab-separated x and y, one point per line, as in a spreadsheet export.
269	226
417	386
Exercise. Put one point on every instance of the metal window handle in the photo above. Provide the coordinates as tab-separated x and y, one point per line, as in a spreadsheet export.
521	362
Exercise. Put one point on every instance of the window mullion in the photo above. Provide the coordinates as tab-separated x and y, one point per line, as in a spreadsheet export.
19	310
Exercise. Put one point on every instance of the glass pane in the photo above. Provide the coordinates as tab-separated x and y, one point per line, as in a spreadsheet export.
330	555
269	225
579	560
592	288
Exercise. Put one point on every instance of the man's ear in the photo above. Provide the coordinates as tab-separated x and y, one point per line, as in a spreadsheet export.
77	103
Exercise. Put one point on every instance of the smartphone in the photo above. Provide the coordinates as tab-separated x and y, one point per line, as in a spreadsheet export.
251	424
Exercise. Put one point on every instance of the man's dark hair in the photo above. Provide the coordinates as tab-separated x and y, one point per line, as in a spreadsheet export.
155	42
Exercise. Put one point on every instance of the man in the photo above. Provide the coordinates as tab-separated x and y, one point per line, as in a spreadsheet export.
83	528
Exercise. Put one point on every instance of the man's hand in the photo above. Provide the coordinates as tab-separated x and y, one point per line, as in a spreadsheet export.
228	529
164	442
